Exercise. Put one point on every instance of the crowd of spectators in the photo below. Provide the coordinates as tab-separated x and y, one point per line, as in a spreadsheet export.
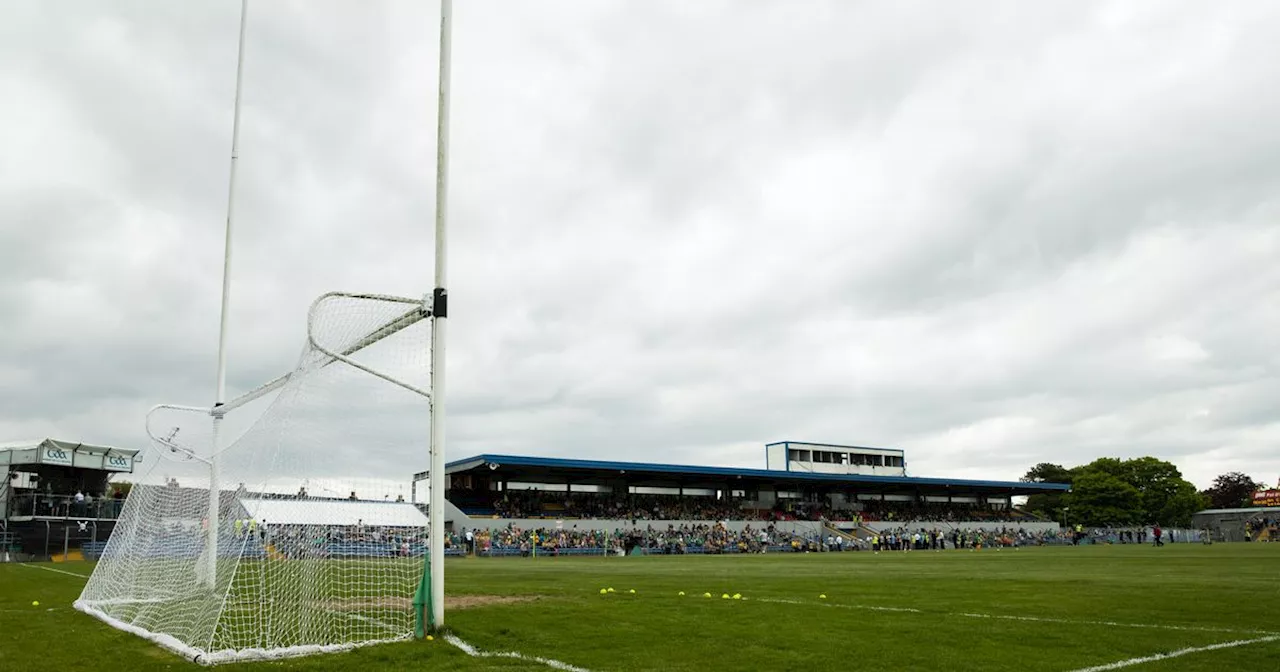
537	504
1266	528
528	504
939	512
1140	534
672	539
716	538
924	539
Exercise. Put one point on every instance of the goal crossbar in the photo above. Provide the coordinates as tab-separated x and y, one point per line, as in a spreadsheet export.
419	312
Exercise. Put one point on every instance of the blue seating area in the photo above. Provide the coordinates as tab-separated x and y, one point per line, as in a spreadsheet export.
505	552
93	550
365	549
184	549
369	549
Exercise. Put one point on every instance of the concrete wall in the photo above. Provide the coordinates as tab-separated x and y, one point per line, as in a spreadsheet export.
800	527
881	526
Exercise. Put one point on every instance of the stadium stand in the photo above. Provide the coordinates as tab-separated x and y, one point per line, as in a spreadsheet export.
505	487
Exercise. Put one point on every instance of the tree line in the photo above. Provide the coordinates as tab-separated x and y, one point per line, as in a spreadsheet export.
1139	491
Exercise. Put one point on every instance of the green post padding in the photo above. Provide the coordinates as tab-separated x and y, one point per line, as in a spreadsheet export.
422	600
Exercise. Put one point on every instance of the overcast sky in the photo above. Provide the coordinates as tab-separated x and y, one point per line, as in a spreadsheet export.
989	233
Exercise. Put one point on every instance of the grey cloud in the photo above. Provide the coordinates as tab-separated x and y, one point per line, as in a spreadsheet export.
1036	232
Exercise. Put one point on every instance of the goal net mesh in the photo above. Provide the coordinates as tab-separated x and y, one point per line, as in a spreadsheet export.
311	542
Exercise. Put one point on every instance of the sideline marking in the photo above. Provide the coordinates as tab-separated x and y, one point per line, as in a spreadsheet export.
477	653
1175	654
1113	624
1034	619
50	569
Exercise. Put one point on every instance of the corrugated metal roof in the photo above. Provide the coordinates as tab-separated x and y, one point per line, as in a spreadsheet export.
84	447
333	512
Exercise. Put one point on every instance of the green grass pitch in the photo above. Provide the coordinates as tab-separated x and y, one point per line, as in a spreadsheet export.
1050	609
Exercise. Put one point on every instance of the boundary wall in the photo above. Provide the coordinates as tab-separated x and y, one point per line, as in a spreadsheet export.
805	528
948	526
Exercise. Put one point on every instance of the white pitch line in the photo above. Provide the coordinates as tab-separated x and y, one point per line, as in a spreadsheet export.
836	605
365	619
1175	654
50	569
1033	619
477	653
1113	624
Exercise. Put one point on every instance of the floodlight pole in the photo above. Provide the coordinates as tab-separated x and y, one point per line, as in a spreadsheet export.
211	545
439	315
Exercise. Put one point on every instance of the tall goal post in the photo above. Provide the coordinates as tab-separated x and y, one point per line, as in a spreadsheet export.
304	565
280	557
440	313
212	521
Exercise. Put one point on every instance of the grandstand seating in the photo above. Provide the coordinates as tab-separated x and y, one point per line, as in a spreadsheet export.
506	552
530	504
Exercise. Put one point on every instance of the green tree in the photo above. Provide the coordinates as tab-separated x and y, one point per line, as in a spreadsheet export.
1159	482
1162	495
1232	491
1098	498
1181	505
1047	504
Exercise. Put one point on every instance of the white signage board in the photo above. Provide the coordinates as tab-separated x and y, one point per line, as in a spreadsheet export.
54	455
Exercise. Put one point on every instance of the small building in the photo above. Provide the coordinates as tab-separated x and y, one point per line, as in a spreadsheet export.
57	495
830	458
1229	524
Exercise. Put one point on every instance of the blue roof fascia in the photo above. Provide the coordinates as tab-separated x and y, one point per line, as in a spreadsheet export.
565	463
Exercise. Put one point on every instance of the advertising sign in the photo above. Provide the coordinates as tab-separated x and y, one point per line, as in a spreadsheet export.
54	455
117	463
1266	498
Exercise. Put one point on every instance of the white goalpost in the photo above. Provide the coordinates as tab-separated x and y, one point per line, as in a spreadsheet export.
316	550
440	311
211	544
274	524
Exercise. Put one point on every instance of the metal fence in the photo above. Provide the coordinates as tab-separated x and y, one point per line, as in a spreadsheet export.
40	505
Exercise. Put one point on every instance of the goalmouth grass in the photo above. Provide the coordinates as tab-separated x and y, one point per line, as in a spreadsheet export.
1053	609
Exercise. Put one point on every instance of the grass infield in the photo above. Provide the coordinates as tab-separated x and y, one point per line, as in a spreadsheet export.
1050	609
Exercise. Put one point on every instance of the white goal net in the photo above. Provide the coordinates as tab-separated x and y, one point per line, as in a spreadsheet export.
308	540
